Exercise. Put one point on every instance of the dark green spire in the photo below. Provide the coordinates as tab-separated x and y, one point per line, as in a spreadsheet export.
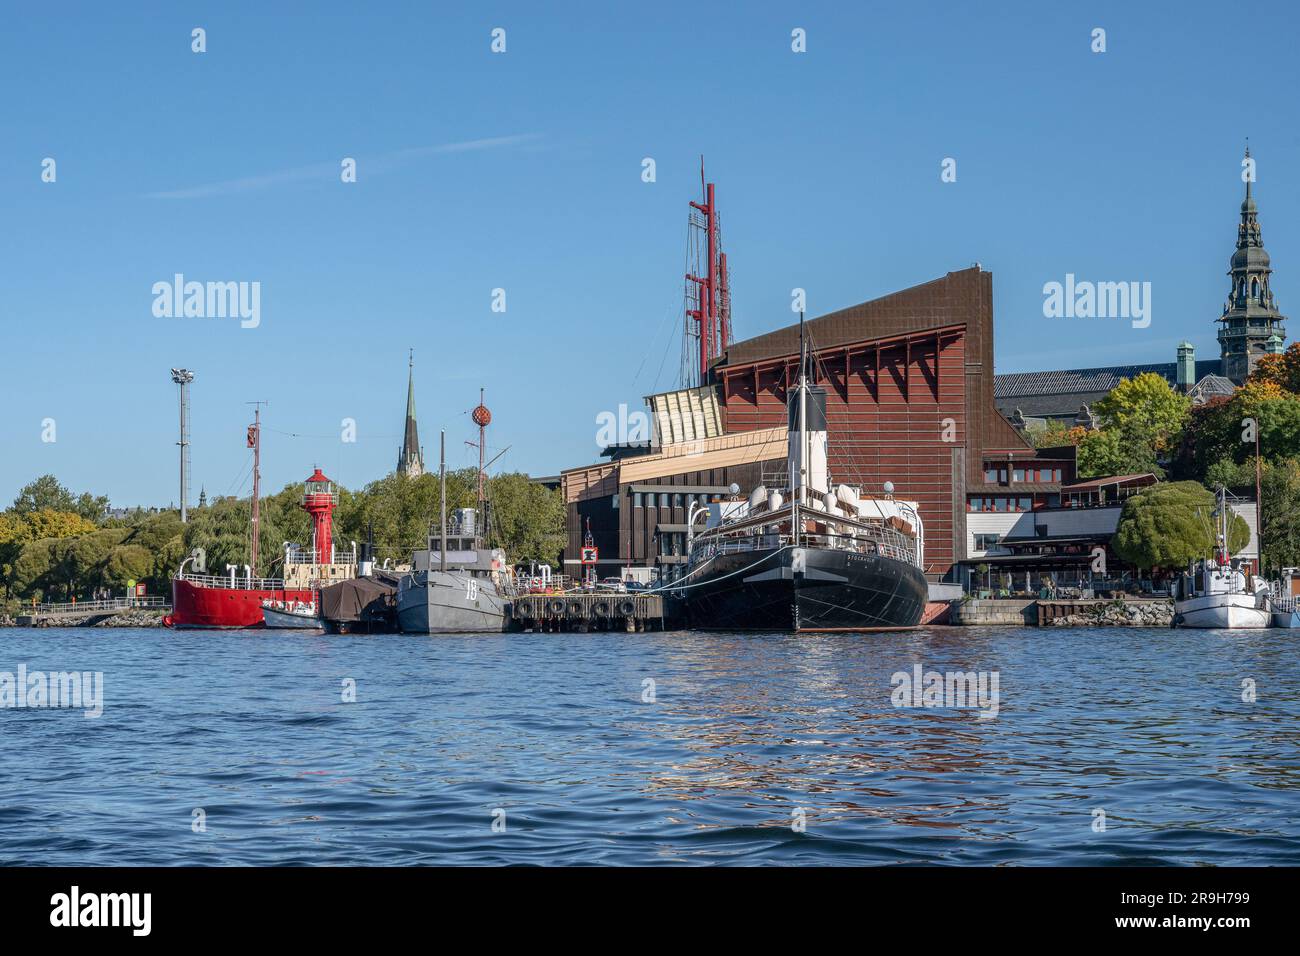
410	461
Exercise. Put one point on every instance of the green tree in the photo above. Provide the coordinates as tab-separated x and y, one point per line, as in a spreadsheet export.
17	530
126	563
47	494
1146	409
86	558
403	511
1280	508
1279	504
1142	422
1170	525
529	519
1108	452
37	571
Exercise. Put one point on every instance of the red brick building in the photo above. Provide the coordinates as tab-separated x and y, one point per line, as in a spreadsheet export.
909	383
909	398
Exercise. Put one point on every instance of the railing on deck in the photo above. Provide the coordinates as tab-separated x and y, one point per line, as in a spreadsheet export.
309	557
526	584
110	604
240	582
884	541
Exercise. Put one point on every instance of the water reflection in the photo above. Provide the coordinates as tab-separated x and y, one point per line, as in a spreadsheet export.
744	731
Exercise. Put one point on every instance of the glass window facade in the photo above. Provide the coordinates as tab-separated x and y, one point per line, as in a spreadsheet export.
1001	504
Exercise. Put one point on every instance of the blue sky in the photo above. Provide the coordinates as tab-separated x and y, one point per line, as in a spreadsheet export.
522	171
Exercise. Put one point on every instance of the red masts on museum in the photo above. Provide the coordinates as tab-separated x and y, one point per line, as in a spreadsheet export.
711	299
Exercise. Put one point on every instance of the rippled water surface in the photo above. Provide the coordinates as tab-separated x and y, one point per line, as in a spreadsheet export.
743	733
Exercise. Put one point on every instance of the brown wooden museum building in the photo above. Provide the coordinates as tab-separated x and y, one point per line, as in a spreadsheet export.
909	385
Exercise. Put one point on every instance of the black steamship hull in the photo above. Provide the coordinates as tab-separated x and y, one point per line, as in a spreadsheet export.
805	589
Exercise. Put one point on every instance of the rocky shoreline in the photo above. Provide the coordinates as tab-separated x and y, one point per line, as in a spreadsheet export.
1120	614
135	617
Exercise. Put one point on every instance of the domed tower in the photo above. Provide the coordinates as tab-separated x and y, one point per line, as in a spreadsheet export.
1251	325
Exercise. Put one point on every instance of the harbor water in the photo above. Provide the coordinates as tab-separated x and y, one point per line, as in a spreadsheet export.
1088	747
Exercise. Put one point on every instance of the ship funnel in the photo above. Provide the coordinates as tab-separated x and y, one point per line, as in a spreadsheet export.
807	444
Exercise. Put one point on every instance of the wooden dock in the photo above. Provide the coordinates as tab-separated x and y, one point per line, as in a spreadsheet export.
594	611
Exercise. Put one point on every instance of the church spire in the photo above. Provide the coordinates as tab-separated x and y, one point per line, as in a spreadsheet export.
410	460
1249	178
1251	324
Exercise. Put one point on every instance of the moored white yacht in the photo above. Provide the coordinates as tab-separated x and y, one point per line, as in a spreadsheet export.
1219	593
1284	602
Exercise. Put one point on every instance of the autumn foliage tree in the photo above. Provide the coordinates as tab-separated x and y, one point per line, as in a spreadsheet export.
1281	370
1222	429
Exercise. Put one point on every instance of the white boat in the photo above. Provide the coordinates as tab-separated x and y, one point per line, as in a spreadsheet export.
291	615
1285	599
1226	609
1219	594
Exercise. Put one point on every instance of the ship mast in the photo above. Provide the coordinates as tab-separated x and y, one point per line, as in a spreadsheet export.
803	415
255	443
712	315
1223	525
442	499
481	417
806	449
1259	500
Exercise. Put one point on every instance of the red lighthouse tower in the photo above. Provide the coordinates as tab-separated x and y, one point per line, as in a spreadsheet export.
319	500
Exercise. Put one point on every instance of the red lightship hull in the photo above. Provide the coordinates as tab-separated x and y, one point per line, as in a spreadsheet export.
198	605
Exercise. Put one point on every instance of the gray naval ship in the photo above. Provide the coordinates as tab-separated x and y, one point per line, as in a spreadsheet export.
456	585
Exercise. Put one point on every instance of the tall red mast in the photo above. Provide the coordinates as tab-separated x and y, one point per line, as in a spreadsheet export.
255	443
712	316
724	305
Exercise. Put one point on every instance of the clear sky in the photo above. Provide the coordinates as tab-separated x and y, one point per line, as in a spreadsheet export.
522	170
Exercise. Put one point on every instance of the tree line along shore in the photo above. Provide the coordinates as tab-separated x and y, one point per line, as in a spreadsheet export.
56	544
